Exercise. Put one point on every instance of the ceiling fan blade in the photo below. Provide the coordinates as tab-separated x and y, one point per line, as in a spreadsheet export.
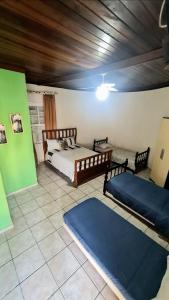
113	89
88	88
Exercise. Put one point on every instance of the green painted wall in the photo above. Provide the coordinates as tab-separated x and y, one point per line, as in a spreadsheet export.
5	219
16	157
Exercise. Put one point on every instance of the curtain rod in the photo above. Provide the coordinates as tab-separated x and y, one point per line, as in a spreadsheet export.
42	92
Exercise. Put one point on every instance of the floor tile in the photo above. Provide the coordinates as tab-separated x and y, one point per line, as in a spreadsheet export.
28	262
79	286
51	245
109	203
108	294
154	236
28	207
8	279
44	180
83	199
60	181
65	236
39	286
10	197
86	189
76	195
5	254
58	193
77	253
44	199
16	294
22	198
12	203
64	201
57	219
96	184
38	191
122	212
19	226
100	297
21	242
54	176
51	208
137	223
70	206
42	229
35	217
94	275
63	265
2	238
16	212
57	296
51	187
68	188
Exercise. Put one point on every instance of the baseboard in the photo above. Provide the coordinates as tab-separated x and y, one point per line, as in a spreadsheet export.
6	229
21	190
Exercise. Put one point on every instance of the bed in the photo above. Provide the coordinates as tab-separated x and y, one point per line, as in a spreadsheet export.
78	164
144	198
137	161
130	262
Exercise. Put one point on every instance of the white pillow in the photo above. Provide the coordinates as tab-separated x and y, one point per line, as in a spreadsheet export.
163	293
105	146
51	144
70	141
54	144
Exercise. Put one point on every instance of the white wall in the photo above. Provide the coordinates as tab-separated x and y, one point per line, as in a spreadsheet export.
130	120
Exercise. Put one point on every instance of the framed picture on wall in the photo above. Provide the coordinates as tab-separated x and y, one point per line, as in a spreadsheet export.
16	121
3	139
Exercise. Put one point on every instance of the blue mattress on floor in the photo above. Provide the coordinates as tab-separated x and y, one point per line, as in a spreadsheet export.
134	262
144	197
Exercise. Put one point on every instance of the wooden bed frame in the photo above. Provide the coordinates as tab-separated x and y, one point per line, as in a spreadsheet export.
84	169
141	158
114	170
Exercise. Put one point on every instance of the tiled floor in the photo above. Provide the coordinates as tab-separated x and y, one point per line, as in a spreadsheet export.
38	259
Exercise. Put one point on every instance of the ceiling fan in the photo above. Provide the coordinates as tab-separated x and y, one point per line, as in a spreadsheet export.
103	90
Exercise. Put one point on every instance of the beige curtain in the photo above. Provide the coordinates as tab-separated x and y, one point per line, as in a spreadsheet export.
49	111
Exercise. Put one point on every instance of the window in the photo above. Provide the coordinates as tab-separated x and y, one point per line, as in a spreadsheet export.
37	122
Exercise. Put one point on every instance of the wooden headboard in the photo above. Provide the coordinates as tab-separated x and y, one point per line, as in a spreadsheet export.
57	134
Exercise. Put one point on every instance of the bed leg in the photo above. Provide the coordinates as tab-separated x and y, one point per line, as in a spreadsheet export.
104	185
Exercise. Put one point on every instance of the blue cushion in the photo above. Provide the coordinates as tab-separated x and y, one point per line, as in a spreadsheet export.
144	197
134	262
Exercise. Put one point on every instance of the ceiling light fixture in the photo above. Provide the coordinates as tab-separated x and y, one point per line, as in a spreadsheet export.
102	91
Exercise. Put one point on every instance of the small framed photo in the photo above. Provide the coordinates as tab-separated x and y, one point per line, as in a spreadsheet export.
3	139
16	122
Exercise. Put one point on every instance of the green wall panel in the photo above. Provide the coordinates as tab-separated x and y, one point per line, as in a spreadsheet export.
5	219
16	157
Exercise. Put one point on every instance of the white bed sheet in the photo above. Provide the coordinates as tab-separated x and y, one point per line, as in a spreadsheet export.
64	159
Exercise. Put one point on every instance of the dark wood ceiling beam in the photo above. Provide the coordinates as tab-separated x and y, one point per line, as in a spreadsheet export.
54	40
139	59
29	56
125	15
144	16
51	52
96	17
148	87
108	20
12	67
47	17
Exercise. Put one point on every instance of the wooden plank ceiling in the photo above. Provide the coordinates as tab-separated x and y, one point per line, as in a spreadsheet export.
69	43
